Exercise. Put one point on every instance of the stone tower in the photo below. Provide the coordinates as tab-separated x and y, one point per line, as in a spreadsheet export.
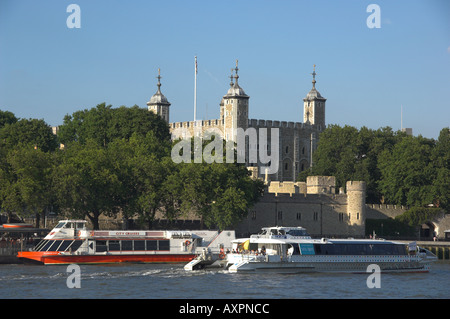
314	106
234	108
158	103
356	206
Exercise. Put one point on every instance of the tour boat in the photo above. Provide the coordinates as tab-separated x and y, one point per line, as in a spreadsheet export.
291	250
70	242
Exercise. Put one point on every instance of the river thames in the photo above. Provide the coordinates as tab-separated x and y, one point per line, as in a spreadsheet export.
170	281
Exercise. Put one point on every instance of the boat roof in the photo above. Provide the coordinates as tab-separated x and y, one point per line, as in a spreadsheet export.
261	240
72	221
282	228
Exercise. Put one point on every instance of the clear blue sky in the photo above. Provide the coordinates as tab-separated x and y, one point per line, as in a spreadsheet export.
48	70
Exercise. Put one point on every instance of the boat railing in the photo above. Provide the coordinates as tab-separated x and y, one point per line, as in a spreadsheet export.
251	257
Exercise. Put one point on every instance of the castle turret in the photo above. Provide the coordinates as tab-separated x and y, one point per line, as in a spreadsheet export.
356	206
235	108
314	106
158	103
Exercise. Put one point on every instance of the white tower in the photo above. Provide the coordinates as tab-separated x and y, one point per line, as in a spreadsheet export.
235	108
314	106
158	103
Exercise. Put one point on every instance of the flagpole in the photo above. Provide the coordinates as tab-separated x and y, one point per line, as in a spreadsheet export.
195	91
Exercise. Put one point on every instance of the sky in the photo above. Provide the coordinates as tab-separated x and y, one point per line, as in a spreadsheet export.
395	75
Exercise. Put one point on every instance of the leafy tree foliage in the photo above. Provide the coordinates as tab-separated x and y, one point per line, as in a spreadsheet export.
7	117
28	132
407	172
104	124
27	183
85	181
349	154
397	168
416	216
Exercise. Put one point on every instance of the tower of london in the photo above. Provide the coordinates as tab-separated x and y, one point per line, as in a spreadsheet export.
296	140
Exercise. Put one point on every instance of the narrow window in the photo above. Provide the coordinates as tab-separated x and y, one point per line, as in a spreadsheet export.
316	216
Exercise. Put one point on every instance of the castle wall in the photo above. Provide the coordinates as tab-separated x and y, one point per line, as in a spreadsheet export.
321	184
321	214
381	211
295	142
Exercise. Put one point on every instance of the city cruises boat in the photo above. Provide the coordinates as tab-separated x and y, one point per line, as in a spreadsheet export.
292	250
71	242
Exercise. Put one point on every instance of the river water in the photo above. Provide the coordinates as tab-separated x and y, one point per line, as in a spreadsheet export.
170	281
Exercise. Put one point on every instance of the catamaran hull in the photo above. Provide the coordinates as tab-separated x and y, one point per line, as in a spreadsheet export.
332	264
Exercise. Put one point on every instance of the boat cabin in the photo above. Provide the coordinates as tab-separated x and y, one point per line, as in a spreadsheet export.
68	229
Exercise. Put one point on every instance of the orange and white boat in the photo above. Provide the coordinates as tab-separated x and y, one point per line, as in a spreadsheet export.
70	242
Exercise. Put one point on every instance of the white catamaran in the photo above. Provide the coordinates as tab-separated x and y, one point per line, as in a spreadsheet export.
292	250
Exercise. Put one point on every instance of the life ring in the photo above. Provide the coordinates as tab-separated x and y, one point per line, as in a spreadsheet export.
187	243
221	255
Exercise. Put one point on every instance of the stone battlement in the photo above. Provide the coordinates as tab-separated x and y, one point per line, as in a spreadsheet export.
356	186
200	123
279	124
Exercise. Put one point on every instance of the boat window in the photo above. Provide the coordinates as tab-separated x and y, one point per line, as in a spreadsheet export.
164	244
80	225
297	232
359	249
40	244
113	245
127	245
75	245
307	249
60	225
100	246
47	245
139	245
65	244
152	244
68	225
55	245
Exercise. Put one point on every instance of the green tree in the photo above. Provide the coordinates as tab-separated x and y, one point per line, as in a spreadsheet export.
440	159
219	193
149	168
31	132
26	182
416	216
104	124
351	154
407	173
7	117
85	182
